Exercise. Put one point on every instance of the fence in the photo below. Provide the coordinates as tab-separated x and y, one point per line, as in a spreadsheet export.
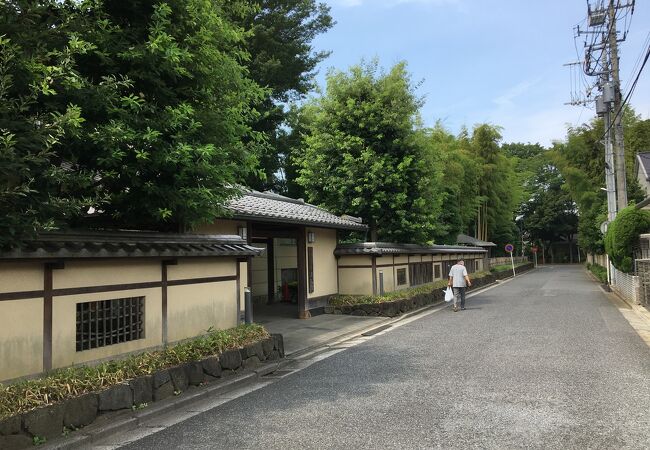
601	260
626	285
506	260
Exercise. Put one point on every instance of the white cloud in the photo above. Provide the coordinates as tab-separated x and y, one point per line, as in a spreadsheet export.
507	99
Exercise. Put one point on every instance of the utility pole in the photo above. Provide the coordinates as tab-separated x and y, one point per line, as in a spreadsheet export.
619	145
601	60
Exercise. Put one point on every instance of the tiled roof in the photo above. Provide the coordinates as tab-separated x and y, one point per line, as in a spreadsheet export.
118	244
643	159
469	240
271	207
388	248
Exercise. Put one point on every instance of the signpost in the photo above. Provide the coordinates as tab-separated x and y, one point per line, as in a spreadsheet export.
534	249
510	248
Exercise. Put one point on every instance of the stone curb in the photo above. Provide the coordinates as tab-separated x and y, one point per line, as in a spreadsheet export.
189	382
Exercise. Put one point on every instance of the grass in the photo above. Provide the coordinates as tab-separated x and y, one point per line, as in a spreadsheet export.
73	382
342	300
599	272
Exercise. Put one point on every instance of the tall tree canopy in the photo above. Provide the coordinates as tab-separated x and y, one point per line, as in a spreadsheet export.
150	103
284	61
365	156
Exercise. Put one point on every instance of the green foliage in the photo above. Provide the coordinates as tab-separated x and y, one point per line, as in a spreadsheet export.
364	155
75	381
623	234
461	173
142	112
599	272
284	61
499	187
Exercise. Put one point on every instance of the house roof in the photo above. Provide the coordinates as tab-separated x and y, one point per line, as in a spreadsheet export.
271	207
118	244
469	240
389	248
643	164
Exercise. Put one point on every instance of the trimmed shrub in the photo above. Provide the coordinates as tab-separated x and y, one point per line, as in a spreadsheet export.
623	234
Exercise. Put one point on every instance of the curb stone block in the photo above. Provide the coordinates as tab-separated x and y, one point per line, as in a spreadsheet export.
161	377
179	379
163	391
251	363
81	411
44	422
15	442
257	350
194	373
267	346
211	366
230	360
10	425
278	344
142	388
115	398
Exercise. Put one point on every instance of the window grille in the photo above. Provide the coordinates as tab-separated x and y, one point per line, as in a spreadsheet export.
401	277
421	273
108	322
438	271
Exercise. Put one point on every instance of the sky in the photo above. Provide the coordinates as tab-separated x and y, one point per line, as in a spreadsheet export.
483	61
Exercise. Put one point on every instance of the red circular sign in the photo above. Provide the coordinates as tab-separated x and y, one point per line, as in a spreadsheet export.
534	249
509	248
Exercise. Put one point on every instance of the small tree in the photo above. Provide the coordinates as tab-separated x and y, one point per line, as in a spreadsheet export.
364	154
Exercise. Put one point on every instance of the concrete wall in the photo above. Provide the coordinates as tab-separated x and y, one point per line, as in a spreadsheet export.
192	307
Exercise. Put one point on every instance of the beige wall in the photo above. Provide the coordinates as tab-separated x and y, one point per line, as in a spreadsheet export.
192	308
260	271
64	310
325	266
80	273
220	226
355	281
21	276
21	337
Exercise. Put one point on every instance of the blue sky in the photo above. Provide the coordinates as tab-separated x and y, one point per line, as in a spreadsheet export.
491	61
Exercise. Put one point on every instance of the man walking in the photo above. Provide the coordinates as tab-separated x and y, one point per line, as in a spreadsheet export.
459	281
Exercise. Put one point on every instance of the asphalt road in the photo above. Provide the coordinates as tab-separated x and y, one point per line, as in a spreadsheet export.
543	361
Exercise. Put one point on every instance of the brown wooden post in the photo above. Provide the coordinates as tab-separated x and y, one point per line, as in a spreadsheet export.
164	289
303	312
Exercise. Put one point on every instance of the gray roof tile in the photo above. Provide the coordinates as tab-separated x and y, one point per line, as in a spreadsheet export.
389	248
271	207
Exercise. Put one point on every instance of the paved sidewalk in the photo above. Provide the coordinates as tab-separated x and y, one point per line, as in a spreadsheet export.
300	335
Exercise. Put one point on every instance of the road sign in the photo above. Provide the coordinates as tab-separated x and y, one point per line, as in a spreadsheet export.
534	249
509	248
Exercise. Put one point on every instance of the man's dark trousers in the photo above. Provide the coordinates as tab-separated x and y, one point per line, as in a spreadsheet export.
459	292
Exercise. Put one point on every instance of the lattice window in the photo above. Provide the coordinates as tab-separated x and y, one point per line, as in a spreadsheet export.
108	322
438	271
401	277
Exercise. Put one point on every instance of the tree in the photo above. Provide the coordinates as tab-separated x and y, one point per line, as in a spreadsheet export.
460	183
550	214
284	61
499	187
36	63
165	106
364	155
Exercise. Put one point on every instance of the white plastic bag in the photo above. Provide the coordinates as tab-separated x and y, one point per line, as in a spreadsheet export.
449	294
